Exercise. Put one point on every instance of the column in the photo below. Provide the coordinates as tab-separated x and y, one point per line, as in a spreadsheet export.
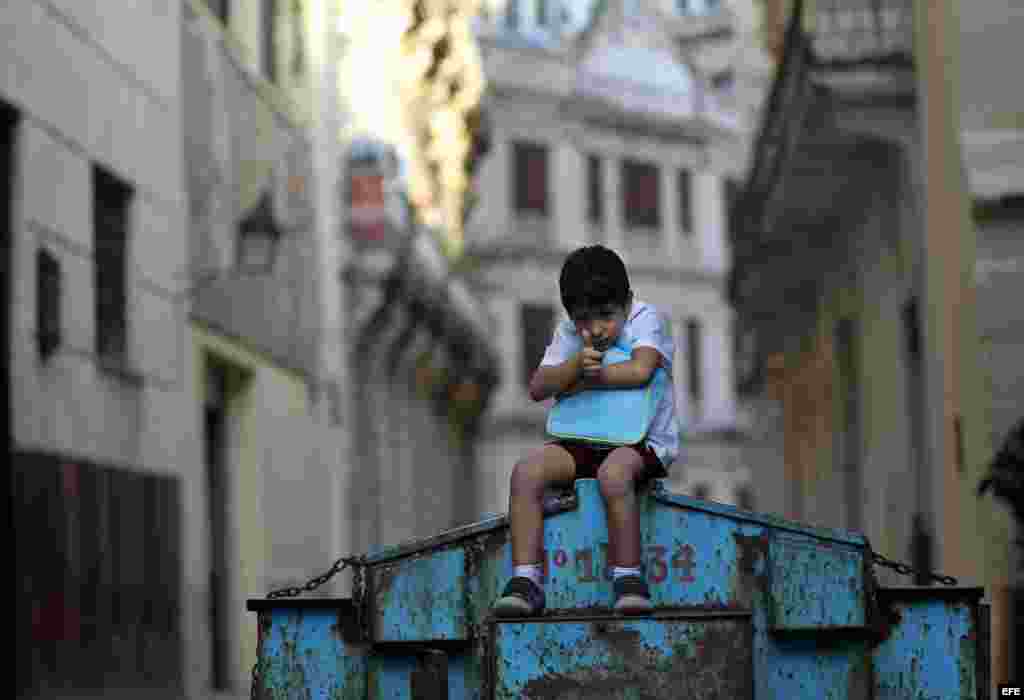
680	375
493	214
718	392
614	235
568	182
709	219
509	395
670	214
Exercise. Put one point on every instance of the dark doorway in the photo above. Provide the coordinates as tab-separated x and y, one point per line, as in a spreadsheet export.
215	449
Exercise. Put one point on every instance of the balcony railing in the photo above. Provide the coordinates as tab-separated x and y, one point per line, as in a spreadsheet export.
856	32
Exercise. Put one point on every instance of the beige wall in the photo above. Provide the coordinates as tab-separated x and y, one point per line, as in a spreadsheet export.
282	474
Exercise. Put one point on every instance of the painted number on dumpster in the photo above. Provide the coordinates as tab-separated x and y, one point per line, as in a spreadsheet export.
660	563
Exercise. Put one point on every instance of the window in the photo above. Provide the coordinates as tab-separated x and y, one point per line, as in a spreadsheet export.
595	191
693	358
111	207
684	186
641	190
268	48
530	177
221	8
48	297
538	322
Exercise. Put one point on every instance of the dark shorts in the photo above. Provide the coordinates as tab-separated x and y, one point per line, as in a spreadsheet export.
589	457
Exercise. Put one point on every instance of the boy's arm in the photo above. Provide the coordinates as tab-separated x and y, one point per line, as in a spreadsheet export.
636	371
555	379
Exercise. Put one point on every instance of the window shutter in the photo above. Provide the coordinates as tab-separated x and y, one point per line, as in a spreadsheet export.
530	164
641	200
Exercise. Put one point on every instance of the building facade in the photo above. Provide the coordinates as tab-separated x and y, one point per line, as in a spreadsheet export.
270	415
94	221
856	271
624	124
179	231
995	166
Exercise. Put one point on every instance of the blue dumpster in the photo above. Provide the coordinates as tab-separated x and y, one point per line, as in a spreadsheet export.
746	606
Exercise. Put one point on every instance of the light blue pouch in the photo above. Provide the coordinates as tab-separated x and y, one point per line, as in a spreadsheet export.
609	416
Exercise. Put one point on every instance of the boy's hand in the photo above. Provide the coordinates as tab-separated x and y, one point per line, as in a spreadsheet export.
591	361
581	384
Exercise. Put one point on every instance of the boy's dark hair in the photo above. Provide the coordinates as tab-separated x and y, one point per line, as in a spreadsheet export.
593	276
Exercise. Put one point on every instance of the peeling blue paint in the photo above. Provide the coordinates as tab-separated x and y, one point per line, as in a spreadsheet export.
933	652
748	605
421	598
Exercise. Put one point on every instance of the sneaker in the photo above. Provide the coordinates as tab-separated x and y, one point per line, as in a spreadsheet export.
522	598
631	595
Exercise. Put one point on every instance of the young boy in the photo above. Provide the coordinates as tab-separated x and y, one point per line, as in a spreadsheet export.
596	294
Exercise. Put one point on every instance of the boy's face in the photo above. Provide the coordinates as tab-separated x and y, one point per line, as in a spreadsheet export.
599	326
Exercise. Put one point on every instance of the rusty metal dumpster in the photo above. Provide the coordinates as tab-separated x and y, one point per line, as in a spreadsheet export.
746	606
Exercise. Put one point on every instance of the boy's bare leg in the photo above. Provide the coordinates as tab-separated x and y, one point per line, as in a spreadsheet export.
548	466
617	477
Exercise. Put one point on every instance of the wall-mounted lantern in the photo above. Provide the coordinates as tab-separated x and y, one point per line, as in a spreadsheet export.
258	237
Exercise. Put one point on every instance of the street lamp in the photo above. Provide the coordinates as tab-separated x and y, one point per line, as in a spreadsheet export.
258	238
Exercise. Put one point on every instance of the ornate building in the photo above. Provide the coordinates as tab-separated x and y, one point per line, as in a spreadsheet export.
625	123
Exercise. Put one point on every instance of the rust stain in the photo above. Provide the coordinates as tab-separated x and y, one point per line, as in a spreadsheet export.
710	661
747	582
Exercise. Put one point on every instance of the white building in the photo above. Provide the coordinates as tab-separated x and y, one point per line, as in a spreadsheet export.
626	124
177	435
93	216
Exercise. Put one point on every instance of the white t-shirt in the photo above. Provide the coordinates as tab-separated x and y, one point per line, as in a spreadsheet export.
645	326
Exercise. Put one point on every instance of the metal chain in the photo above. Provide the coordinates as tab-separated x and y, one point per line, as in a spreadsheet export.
317	581
311	585
906	570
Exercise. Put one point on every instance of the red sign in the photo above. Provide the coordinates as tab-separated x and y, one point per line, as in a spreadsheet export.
367	215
